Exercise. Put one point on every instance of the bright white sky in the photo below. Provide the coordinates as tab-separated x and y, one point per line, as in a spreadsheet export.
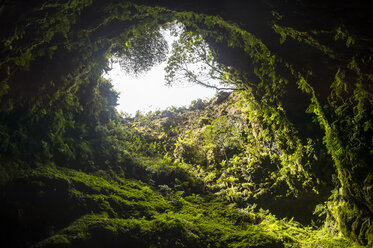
147	92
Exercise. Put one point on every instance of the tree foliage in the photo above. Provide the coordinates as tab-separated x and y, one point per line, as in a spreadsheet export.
145	49
193	61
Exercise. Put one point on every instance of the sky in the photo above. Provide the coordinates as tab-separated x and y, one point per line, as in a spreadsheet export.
147	92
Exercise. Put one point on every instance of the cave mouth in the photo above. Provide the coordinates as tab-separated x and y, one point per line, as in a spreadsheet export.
147	91
192	61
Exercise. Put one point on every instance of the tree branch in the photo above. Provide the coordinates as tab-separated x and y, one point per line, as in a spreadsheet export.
192	76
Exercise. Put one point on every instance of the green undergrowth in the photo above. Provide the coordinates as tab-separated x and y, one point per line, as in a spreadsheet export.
221	145
69	208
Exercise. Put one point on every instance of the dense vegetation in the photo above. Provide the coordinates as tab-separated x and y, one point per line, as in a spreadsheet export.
282	161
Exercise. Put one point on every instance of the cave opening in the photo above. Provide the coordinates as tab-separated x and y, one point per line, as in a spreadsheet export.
147	90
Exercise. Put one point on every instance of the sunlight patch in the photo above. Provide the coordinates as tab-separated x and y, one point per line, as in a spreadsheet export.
148	91
142	81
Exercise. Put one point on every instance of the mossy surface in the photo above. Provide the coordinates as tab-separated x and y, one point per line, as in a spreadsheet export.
68	208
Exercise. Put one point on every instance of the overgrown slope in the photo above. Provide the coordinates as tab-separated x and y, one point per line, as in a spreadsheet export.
222	143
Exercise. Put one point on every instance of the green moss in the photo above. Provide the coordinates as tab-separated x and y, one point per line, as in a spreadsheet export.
55	241
122	211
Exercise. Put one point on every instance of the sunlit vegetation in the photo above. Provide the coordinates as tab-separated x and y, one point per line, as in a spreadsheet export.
282	159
